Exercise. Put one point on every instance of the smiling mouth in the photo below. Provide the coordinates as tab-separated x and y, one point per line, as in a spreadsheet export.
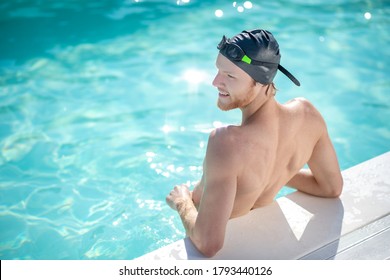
223	94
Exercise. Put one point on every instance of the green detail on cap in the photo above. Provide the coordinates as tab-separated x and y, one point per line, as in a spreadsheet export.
246	59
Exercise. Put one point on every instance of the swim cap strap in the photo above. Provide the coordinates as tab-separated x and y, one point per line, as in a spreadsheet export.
289	75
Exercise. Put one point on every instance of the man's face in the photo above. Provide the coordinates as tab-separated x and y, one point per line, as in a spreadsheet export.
235	87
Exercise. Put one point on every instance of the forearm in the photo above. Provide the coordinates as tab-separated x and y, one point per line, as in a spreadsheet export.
197	194
188	214
180	200
305	181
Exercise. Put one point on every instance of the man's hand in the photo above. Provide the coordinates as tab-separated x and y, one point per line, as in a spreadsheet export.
180	200
179	195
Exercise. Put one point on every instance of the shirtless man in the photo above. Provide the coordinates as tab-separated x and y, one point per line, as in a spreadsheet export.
246	165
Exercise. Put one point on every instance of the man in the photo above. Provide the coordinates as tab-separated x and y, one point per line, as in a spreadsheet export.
245	166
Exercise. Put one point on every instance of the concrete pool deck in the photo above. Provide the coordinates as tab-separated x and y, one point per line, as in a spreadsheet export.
300	226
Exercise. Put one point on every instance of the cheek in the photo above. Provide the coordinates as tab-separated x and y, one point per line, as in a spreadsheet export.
235	87
241	89
247	94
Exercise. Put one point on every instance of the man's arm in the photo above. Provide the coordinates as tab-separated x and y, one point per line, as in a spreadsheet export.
206	227
324	177
198	191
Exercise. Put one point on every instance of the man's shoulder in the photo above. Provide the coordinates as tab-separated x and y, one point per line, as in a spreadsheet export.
225	135
301	102
224	141
306	108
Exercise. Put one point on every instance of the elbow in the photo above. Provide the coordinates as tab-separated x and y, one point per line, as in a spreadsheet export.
336	188
209	248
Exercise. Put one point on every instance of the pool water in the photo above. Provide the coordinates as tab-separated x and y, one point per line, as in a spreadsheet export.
105	105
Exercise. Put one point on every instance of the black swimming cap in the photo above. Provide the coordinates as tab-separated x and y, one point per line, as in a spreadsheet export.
257	53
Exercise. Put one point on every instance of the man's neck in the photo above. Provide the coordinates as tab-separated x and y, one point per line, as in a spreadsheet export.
259	109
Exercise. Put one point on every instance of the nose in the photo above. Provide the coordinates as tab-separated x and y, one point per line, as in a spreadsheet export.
217	80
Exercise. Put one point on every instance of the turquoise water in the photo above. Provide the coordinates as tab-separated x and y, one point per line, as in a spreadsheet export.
105	105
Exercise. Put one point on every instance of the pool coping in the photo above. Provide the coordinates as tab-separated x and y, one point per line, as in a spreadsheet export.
300	226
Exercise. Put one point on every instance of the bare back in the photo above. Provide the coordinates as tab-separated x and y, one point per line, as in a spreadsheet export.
273	152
